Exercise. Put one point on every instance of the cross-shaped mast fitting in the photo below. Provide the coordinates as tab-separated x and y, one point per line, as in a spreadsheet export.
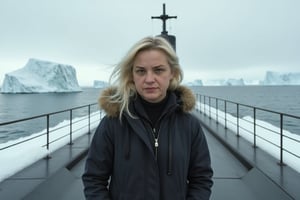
164	17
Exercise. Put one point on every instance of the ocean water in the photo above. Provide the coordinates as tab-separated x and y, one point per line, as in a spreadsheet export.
284	99
18	106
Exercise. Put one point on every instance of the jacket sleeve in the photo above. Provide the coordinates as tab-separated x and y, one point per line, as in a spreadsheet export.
98	165
200	171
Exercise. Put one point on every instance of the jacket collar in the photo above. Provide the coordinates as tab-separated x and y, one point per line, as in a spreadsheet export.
185	99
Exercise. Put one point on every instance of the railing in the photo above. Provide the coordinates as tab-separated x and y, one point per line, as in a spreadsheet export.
260	126
271	130
90	116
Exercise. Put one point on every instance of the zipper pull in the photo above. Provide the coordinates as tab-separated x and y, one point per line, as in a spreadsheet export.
156	142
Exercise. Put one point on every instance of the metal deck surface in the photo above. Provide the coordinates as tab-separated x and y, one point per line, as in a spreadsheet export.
235	177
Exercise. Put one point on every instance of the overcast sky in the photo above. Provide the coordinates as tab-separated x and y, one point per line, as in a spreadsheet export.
216	39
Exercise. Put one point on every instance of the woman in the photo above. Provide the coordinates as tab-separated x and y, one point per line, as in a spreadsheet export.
148	146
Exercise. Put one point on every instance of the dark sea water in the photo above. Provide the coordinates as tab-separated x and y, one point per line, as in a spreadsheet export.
284	99
18	106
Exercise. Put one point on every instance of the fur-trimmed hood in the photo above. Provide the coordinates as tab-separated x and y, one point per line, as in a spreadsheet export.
185	97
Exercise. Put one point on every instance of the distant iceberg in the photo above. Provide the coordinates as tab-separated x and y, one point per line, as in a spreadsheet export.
224	82
216	82
276	78
235	82
252	82
196	82
39	76
100	84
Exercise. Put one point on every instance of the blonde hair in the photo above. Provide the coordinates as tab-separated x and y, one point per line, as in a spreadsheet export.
122	76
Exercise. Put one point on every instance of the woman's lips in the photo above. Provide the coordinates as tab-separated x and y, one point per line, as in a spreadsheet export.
150	89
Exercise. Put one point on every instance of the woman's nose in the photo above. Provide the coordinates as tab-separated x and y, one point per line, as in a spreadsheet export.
149	77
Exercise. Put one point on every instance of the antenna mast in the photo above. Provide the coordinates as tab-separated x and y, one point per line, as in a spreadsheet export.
164	17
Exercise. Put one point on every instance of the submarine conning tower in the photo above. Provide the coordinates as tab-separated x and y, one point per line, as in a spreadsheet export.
164	17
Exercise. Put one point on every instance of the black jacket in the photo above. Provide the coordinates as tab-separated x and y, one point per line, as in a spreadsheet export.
123	163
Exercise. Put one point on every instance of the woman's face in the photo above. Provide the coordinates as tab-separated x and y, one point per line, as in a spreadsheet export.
151	75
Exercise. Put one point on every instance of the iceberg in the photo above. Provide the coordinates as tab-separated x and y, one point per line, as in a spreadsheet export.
223	82
234	82
252	82
276	78
39	76
100	84
197	82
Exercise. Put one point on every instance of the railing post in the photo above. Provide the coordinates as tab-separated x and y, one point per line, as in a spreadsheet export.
48	132
225	109
71	116
254	127
48	137
198	99
237	120
281	139
204	110
209	109
199	96
202	102
89	119
217	108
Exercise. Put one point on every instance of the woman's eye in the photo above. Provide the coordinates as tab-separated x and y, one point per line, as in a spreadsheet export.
140	71
158	70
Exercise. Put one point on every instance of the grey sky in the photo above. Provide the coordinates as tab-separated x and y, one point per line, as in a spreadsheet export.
215	38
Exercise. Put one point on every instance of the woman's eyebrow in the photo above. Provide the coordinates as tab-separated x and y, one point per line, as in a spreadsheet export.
138	66
159	66
141	67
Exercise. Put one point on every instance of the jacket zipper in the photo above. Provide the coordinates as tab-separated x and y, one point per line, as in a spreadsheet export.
156	137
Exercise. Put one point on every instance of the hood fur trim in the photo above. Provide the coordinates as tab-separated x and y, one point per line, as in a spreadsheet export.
187	97
112	109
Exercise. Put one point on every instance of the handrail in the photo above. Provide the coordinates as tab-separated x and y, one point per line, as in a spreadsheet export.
43	115
233	118
47	132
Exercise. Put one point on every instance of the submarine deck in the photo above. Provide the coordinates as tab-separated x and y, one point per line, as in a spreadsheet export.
240	171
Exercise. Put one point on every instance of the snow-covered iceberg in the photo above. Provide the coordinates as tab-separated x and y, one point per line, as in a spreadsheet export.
235	82
225	82
100	84
39	76
276	78
197	82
